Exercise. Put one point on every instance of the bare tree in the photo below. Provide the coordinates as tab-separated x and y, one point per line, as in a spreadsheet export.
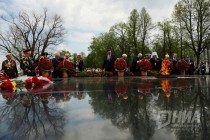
31	31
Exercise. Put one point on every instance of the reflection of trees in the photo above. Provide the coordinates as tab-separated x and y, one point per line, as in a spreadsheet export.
32	119
191	98
131	114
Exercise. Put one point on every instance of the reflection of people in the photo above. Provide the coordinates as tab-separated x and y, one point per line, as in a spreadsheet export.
136	59
155	94
80	91
121	88
109	91
55	62
27	64
109	60
9	66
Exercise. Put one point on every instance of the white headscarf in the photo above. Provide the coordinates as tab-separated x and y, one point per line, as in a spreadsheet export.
154	53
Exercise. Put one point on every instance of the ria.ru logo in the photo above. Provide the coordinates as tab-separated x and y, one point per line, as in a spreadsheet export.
177	118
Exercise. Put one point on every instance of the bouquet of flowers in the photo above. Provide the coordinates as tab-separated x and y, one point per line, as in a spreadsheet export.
66	66
182	65
8	86
120	64
144	65
45	64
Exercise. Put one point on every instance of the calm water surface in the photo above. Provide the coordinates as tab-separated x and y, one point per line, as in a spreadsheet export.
130	108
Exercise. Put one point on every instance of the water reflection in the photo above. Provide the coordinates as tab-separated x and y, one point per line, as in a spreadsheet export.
125	105
30	117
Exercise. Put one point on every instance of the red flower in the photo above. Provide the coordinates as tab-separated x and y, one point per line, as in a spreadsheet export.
120	64
182	65
50	78
37	82
7	86
120	88
144	65
4	77
109	73
131	73
67	66
45	64
28	83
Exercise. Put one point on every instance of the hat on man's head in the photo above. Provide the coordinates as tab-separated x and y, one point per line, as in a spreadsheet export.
27	50
44	53
188	56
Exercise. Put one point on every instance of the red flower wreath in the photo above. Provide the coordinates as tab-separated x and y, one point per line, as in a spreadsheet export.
66	66
120	64
144	65
45	64
182	65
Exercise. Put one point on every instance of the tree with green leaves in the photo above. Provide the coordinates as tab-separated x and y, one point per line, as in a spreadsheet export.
195	15
133	29
145	26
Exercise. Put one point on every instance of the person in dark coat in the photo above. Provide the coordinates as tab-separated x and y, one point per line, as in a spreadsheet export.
109	60
9	66
203	68
27	64
55	62
191	69
136	59
174	60
79	64
155	61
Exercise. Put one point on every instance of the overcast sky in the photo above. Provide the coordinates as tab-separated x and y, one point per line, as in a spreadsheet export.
85	19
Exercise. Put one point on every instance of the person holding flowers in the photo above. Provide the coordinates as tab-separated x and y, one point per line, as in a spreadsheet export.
182	66
66	68
120	66
144	65
136	59
45	66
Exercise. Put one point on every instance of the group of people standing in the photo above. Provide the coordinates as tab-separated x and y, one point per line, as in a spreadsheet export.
28	64
156	63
